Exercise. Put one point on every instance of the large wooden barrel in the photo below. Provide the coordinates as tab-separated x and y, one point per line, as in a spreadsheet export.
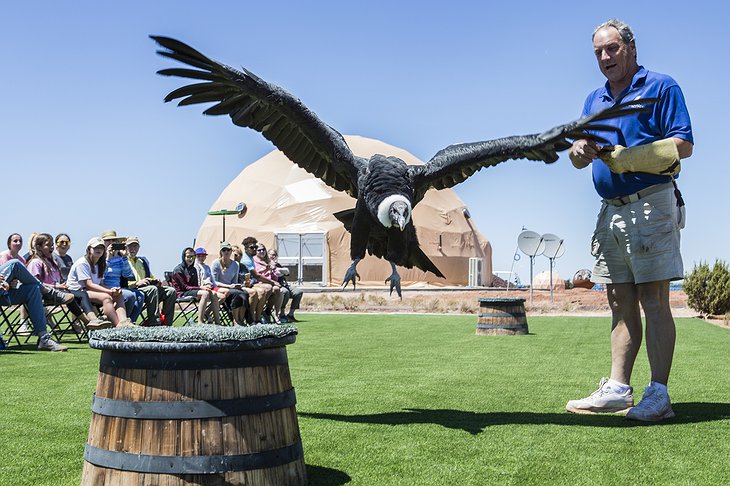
501	316
193	412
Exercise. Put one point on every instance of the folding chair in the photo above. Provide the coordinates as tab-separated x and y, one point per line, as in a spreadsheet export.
61	321
10	317
227	315
188	307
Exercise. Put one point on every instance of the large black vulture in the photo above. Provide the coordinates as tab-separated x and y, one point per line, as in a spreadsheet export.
386	188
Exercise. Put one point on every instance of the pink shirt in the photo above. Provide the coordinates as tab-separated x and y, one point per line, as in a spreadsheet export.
5	257
265	269
44	271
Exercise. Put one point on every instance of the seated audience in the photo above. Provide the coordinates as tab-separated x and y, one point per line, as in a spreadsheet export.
185	281
43	267
266	270
295	294
150	286
263	289
256	296
205	277
60	255
225	275
28	293
87	273
15	243
118	272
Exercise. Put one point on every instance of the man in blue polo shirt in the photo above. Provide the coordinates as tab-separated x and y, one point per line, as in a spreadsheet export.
636	241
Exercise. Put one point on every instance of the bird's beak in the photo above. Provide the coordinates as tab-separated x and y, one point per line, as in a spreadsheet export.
400	221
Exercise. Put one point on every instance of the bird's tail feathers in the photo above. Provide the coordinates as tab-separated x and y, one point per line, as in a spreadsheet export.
420	260
346	217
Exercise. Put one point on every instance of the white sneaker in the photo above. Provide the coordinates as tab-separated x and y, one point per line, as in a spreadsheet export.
24	329
49	344
603	400
653	407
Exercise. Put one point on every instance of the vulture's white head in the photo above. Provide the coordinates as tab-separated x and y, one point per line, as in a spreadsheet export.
395	211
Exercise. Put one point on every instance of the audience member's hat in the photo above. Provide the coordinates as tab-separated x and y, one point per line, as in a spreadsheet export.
226	245
131	239
200	251
94	242
110	235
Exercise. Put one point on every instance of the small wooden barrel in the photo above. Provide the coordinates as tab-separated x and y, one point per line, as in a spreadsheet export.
194	413
501	316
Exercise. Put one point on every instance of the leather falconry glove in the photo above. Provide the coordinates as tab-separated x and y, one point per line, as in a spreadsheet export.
660	157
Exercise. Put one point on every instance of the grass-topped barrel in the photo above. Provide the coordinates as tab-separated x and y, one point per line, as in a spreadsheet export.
194	405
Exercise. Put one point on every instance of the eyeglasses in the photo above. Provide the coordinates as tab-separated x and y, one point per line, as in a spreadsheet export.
63	243
225	249
189	256
261	249
251	247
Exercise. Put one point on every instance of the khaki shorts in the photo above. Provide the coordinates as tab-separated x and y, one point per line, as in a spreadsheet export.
639	242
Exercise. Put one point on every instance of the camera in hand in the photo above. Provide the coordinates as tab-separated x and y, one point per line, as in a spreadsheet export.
118	246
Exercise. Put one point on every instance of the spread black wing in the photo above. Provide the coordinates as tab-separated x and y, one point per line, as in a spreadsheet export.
456	163
280	117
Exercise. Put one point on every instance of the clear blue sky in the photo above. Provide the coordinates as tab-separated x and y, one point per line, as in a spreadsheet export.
86	142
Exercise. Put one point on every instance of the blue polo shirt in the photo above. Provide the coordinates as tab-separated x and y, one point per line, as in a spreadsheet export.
668	118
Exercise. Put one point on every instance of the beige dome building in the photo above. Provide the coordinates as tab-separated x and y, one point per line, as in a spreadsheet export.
291	210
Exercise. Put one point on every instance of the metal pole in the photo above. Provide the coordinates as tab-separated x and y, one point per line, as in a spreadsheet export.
532	260
224	228
551	281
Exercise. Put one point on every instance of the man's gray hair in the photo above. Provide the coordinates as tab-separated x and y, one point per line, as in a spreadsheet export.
624	30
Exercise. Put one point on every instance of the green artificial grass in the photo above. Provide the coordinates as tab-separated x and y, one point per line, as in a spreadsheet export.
422	400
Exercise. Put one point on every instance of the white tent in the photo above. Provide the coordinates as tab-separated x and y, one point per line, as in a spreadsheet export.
290	209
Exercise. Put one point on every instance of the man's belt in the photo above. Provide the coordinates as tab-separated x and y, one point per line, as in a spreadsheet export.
631	198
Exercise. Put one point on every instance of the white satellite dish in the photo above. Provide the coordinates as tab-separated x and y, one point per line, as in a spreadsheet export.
554	247
530	243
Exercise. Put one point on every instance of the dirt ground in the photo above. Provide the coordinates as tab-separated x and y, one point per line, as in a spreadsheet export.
564	302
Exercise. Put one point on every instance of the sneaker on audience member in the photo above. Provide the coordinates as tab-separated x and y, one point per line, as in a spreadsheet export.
57	297
24	329
653	407
125	323
603	400
47	344
98	323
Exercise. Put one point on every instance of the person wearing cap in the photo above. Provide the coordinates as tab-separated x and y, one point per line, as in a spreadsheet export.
29	293
153	290
205	274
186	283
225	274
87	273
118	273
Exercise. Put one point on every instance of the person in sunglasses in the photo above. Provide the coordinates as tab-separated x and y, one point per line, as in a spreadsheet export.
60	255
263	285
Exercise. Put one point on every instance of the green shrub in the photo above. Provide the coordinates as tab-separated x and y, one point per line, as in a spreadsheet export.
708	289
